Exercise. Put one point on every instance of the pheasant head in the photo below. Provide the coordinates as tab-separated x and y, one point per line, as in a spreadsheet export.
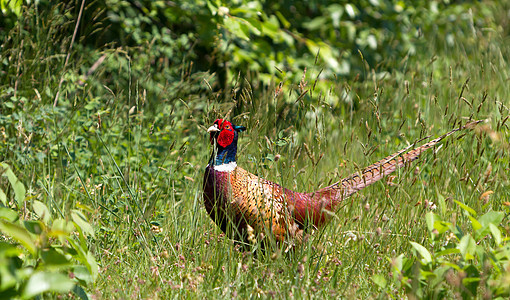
223	137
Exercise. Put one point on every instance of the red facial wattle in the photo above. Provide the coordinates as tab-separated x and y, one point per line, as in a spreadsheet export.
226	137
224	134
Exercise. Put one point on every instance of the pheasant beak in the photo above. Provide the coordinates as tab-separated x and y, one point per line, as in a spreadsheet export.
213	131
213	128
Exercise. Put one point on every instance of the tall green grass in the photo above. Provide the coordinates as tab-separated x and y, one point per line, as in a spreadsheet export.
136	162
185	254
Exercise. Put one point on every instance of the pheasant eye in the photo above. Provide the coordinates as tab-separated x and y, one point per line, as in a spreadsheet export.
227	127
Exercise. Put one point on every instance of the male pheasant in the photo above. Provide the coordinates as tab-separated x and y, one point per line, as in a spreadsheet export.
245	205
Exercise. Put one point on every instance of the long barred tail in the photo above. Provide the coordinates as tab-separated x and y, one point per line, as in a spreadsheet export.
386	166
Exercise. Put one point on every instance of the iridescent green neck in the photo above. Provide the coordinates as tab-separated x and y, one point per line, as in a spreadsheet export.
224	155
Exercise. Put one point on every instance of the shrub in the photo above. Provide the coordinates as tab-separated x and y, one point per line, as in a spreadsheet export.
40	253
472	262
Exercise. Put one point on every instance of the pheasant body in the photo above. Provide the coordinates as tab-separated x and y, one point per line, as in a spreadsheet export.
239	201
240	198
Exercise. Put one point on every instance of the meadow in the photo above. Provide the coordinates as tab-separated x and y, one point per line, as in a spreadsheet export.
103	160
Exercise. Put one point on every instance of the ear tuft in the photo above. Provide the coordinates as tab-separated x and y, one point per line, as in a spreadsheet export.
239	128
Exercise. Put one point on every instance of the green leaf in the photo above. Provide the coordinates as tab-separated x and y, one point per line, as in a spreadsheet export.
315	23
8	214
471	284
9	267
427	275
430	218
61	227
474	222
496	234
503	252
234	26
254	25
7	249
452	265
18	187
3	197
271	27
466	208
213	7
424	253
85	207
467	247
397	262
494	217
42	211
282	19
439	276
78	291
82	273
54	258
34	227
351	10
336	11
41	282
18	233
441	203
379	280
12	5
447	252
94	269
441	226
471	281
81	221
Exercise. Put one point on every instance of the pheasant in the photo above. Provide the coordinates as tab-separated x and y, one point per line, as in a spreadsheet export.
245	206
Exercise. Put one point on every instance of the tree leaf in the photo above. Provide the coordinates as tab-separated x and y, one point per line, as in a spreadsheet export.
236	28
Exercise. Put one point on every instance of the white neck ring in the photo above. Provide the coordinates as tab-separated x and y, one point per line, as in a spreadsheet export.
226	167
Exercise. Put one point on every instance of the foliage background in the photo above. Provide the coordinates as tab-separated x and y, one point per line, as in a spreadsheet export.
103	106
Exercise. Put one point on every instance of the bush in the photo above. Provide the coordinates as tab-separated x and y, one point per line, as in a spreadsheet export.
471	262
40	253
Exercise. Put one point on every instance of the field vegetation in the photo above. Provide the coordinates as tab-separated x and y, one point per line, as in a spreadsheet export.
103	111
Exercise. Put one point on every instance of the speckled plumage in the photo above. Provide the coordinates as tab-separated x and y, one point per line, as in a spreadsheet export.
240	202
